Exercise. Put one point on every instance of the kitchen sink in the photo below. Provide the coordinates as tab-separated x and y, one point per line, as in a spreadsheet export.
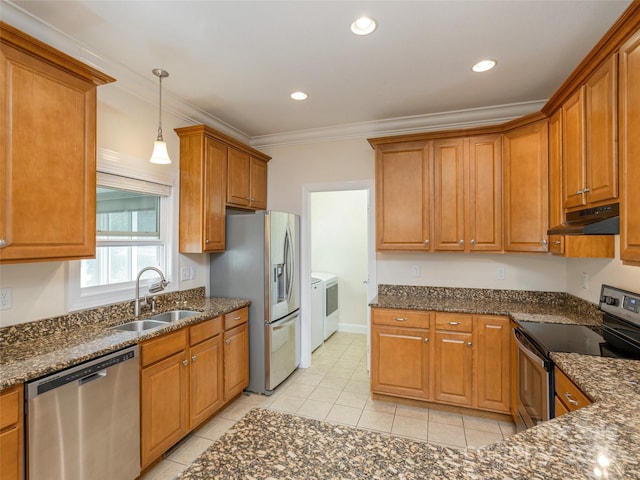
139	325
173	315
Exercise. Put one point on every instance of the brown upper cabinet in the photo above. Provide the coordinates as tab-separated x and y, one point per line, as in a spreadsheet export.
48	159
526	197
468	194
207	158
403	196
589	147
246	181
630	151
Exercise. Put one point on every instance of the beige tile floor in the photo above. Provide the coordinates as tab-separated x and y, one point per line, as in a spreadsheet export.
336	389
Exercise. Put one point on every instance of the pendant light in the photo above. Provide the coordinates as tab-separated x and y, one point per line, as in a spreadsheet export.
160	154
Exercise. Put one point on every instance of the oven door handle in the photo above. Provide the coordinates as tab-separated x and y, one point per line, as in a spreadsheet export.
532	356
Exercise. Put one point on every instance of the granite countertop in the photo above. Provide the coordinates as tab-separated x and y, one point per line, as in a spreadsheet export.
550	307
601	440
32	350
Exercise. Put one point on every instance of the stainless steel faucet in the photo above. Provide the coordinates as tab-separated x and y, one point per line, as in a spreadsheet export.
155	288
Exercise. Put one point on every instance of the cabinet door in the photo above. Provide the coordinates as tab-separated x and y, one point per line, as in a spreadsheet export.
215	171
448	215
163	406
206	380
526	196
484	209
47	160
601	127
453	368
400	362
236	360
630	150
403	196
556	212
492	358
11	420
239	178
258	184
573	151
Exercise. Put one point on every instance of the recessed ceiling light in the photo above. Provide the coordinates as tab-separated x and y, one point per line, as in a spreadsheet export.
299	95
483	66
363	26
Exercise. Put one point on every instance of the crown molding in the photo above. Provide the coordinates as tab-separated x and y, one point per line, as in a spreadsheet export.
467	118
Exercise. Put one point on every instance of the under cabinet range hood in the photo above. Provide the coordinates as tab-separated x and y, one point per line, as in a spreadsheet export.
603	220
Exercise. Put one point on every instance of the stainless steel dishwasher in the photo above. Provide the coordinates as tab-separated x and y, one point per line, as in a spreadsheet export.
84	422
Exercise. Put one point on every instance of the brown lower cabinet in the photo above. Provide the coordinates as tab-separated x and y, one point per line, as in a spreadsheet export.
447	358
183	379
11	433
568	397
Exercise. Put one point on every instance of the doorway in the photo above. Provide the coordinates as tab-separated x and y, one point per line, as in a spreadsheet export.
338	238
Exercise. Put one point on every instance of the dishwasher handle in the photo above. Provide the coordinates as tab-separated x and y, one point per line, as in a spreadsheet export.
83	373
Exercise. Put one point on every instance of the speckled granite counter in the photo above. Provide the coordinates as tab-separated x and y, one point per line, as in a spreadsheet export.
269	445
29	351
552	307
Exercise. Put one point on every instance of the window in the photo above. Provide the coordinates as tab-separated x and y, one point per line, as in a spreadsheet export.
132	231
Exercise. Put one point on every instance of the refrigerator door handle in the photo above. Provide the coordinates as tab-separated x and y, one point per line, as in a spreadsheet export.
290	262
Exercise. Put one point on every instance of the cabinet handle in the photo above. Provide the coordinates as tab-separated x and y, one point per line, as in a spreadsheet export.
426	242
469	344
573	402
207	241
473	242
461	242
185	362
453	323
227	341
400	319
543	242
193	359
579	192
426	340
586	190
557	242
3	243
237	318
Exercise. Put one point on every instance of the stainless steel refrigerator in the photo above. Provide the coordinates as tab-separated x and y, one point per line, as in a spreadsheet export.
261	263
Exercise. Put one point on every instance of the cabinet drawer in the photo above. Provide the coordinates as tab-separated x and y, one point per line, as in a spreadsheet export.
163	347
454	322
401	318
10	407
205	330
235	318
568	393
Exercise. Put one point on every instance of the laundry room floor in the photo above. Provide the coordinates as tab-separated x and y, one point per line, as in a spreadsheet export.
336	389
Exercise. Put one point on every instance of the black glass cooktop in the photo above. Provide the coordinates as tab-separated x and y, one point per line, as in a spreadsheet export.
559	337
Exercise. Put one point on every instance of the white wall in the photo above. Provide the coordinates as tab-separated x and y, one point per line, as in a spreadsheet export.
126	129
339	245
599	271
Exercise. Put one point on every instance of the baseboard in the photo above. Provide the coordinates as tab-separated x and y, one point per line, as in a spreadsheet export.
352	328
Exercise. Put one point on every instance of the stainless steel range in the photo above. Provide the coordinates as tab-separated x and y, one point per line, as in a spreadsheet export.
618	338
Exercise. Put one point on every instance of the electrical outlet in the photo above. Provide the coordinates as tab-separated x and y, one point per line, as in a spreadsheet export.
585	280
184	274
500	273
5	298
192	273
415	270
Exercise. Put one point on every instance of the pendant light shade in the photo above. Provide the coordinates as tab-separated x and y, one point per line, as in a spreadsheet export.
160	154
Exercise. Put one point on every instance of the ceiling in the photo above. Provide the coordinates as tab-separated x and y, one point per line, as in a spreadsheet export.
238	61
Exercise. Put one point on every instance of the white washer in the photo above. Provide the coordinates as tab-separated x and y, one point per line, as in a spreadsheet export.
331	315
317	312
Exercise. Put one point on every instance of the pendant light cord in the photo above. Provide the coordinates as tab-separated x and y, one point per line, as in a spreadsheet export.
160	113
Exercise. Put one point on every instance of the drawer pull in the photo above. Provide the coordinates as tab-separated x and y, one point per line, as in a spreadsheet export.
453	323
573	402
400	319
237	318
